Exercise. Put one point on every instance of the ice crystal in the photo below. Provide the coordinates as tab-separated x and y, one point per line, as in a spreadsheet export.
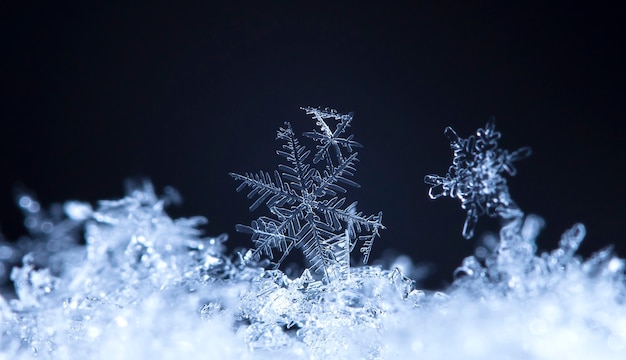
512	267
50	231
309	214
32	285
476	176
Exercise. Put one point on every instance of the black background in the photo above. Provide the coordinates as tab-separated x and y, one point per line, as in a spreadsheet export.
184	94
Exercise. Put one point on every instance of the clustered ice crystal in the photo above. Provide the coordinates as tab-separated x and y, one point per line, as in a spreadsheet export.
144	285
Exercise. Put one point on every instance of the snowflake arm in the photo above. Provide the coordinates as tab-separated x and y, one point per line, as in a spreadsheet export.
263	186
299	174
331	176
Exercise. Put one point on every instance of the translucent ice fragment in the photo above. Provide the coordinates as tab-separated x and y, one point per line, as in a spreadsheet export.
265	336
470	268
571	239
77	210
402	283
32	285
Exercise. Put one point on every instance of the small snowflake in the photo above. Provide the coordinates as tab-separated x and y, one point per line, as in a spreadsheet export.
476	176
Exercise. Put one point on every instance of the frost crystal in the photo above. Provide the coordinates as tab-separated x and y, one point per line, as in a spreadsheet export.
476	176
309	214
50	231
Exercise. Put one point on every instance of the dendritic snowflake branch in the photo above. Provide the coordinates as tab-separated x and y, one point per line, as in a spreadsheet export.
309	214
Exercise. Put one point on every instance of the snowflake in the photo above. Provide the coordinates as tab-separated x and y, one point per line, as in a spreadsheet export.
476	176
308	213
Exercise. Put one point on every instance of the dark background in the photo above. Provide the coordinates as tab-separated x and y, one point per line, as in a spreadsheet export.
184	94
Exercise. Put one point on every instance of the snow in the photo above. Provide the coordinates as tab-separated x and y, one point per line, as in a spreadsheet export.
145	285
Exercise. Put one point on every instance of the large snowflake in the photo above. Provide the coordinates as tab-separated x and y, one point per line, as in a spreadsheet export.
308	213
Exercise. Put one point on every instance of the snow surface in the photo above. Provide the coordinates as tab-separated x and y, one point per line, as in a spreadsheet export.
147	286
